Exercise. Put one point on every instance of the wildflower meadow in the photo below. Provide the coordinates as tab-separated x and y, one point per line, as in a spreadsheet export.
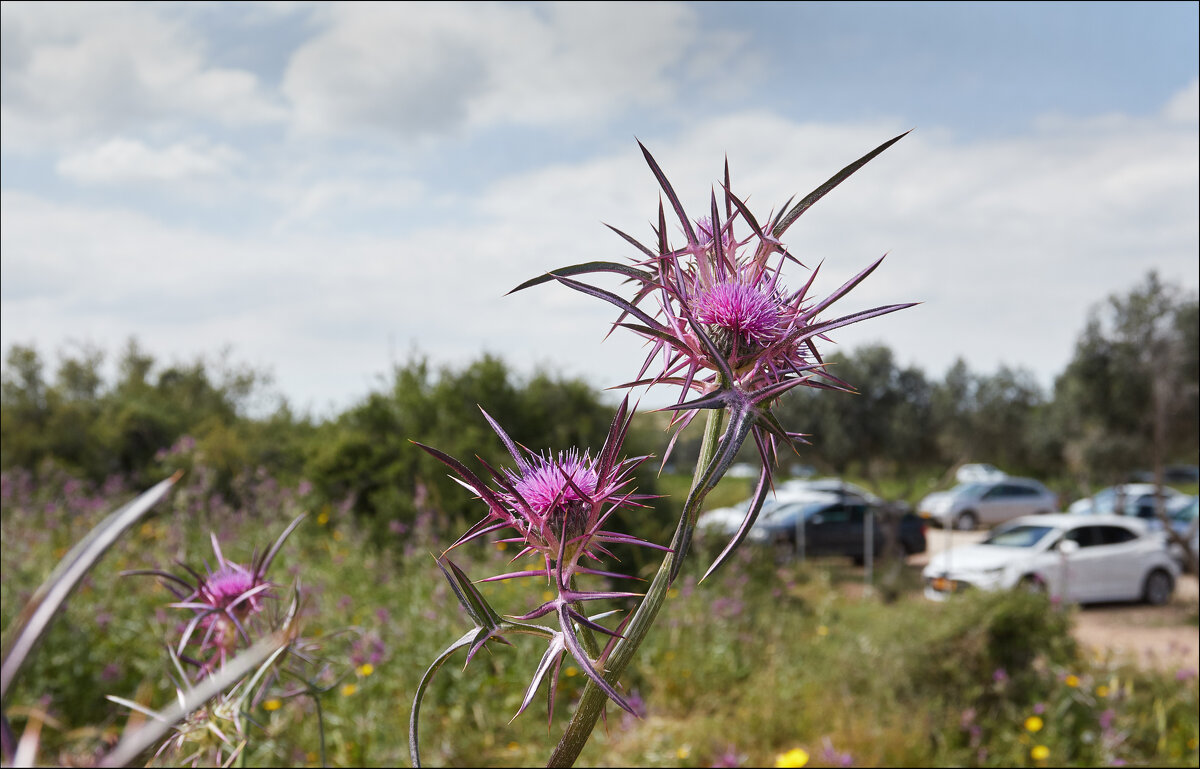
520	590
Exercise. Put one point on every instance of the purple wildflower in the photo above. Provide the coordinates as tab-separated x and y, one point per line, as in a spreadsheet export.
558	506
726	331
222	601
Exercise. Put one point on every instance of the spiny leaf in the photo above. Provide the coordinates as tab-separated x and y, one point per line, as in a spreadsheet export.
820	192
35	618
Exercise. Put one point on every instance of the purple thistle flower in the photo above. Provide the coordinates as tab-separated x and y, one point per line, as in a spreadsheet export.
222	600
726	331
559	505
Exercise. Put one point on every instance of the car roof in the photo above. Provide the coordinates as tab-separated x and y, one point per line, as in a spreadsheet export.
1140	488
1072	520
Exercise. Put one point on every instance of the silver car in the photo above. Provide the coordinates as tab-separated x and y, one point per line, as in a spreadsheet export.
1073	557
968	506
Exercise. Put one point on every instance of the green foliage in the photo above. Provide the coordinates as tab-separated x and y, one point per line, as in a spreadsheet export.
96	429
368	452
758	661
1130	396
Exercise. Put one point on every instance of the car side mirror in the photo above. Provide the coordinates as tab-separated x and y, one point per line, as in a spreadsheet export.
1068	547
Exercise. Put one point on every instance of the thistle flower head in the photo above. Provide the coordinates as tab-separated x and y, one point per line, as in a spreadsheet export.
223	601
719	323
559	506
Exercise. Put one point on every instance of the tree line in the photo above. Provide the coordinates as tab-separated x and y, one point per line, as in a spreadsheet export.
1127	400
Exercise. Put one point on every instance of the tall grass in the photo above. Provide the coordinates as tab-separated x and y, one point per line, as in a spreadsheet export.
763	659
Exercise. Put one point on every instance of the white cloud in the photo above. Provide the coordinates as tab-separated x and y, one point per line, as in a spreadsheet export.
86	71
414	70
127	160
1185	106
1007	241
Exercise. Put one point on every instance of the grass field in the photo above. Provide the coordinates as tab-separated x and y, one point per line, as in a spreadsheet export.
760	660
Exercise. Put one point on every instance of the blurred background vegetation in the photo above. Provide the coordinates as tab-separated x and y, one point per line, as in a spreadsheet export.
1125	402
768	658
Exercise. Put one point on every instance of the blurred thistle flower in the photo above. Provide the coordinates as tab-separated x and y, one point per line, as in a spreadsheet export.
726	331
559	506
223	599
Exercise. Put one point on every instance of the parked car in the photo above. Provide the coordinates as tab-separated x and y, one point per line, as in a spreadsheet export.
1073	557
971	504
1183	520
1172	474
831	485
1136	499
727	519
833	525
979	473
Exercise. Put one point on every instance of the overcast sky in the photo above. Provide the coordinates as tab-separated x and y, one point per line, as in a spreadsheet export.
327	187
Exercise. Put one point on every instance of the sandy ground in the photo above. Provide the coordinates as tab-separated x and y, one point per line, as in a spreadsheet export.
1160	636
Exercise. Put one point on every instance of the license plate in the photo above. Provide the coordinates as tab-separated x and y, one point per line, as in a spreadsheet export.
943	585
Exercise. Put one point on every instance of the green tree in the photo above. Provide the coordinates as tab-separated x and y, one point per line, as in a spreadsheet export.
1129	397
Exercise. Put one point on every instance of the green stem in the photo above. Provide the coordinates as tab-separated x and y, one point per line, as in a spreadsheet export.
592	702
320	726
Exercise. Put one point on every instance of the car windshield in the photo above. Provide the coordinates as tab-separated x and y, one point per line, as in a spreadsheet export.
789	510
1017	536
1187	514
969	489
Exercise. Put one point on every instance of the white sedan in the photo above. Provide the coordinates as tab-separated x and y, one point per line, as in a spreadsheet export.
1075	558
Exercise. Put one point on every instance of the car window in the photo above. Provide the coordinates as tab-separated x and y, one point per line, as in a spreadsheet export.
1086	536
1115	535
999	492
1017	536
968	490
838	513
1187	514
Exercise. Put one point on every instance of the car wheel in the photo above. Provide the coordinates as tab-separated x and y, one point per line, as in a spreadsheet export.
1158	588
1032	583
966	521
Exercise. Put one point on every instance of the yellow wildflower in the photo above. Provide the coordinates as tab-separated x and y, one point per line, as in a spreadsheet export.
1033	724
1072	681
793	759
1101	691
348	690
1039	753
822	630
365	669
271	705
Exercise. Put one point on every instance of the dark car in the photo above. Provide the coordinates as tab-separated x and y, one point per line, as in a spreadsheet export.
835	525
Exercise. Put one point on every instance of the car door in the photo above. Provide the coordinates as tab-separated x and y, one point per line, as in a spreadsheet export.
995	506
825	531
1105	566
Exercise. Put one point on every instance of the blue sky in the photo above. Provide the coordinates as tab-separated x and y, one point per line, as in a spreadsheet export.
326	187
